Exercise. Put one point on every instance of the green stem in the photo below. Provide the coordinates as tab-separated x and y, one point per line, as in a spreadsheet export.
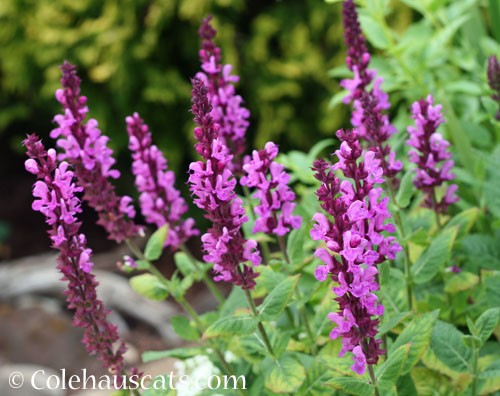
406	252
185	304
260	327
298	298
373	379
206	278
474	371
436	213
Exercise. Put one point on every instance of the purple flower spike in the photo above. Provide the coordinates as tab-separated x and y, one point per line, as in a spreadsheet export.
86	149
432	149
212	184
55	199
372	124
161	203
494	80
227	110
272	191
354	245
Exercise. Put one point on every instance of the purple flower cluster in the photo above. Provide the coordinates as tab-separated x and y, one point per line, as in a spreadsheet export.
212	183
494	80
86	149
273	192
367	116
432	149
354	245
55	199
161	203
227	110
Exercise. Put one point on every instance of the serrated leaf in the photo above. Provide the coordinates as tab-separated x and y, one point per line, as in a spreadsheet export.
447	344
460	282
389	371
353	386
392	322
486	323
295	247
406	190
492	371
154	246
434	257
277	300
464	221
149	286
418	334
231	325
178	353
183	328
286	375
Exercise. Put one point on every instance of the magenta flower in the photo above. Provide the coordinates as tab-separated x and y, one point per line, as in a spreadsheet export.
161	203
227	110
273	192
432	150
212	183
55	198
354	245
367	117
86	149
494	80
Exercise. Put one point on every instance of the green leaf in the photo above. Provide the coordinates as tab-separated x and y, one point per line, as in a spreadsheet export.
149	286
486	323
295	247
388	373
154	246
277	300
374	31
270	278
231	325
448	346
389	323
286	375
405	386
317	374
492	183
492	371
178	353
121	393
406	190
460	282
236	299
464	220
184	264
183	328
353	386
434	257
418	334
471	341
483	251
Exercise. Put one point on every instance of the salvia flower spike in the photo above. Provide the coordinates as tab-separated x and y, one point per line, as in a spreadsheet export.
212	183
55	198
275	196
494	80
434	163
161	203
86	149
354	245
227	109
368	115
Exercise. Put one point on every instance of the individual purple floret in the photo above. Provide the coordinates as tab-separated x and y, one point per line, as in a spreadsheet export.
55	199
273	192
227	109
367	117
86	149
494	80
354	245
432	149
161	203
212	183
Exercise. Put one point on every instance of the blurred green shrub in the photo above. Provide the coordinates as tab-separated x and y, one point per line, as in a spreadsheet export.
138	55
